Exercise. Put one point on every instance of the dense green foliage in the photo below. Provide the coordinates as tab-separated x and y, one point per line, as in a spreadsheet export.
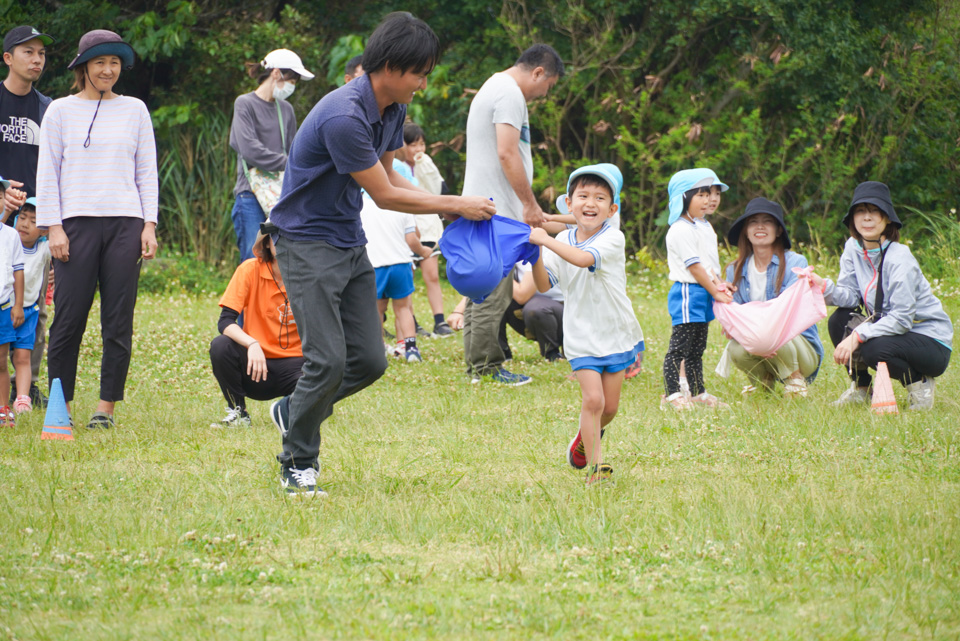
794	100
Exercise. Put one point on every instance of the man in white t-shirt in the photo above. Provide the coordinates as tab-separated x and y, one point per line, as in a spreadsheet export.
500	167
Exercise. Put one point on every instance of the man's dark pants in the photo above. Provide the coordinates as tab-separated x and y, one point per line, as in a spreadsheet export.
333	295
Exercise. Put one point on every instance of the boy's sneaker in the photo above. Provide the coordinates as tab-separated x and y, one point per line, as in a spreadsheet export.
301	483
36	396
576	453
421	331
506	377
7	417
236	417
635	368
101	421
280	415
599	474
853	395
442	330
921	393
413	355
22	404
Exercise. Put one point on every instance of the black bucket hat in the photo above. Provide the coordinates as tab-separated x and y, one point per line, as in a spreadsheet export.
873	193
754	207
101	42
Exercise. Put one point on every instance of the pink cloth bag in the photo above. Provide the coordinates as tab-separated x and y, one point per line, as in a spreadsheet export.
762	328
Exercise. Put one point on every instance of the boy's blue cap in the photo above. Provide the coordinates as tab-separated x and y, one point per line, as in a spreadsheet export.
608	172
32	201
5	184
685	180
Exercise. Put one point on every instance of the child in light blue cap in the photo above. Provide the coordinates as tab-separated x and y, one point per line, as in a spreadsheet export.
610	174
694	263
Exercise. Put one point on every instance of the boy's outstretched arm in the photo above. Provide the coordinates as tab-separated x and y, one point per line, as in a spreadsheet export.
699	272
540	276
572	255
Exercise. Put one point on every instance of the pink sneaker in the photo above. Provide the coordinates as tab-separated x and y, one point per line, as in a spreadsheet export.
22	404
676	401
709	400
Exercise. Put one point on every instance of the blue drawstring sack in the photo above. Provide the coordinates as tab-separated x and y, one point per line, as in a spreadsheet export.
480	253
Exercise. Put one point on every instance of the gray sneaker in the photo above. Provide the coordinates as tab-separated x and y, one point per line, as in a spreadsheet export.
852	396
921	393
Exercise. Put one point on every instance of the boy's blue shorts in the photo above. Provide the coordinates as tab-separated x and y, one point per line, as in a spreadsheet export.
608	364
394	281
27	332
7	334
689	303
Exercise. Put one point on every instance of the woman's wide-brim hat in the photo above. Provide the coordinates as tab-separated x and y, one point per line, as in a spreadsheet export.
101	42
754	207
873	193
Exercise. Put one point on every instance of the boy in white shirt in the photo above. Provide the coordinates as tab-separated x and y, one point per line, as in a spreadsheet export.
36	263
11	311
601	335
391	236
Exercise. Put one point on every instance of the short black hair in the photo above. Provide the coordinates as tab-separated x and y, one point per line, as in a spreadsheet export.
352	64
412	132
404	42
541	55
589	180
690	193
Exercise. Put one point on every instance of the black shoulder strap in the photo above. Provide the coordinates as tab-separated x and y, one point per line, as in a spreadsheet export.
878	301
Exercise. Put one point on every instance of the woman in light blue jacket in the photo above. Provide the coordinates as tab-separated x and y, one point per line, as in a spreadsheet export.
906	326
763	270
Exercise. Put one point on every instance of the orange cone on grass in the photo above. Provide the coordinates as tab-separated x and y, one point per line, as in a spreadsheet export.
56	423
884	402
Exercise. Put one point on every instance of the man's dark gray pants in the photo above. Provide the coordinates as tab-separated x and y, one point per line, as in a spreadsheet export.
333	295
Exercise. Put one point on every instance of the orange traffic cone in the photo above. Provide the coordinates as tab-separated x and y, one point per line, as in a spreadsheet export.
884	402
56	424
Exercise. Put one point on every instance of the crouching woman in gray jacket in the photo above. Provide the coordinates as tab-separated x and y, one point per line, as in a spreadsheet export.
905	324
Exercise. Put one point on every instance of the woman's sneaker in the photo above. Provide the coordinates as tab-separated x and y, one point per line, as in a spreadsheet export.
413	354
852	396
599	474
236	417
921	393
101	421
795	388
22	404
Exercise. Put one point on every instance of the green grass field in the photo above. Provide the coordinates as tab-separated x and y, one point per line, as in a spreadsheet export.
452	513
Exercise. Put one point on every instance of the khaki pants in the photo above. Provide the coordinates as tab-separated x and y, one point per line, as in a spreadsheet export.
481	330
797	354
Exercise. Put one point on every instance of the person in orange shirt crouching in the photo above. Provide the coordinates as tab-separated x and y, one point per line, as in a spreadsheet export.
263	359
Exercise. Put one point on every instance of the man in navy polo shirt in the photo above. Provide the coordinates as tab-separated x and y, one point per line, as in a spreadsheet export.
346	143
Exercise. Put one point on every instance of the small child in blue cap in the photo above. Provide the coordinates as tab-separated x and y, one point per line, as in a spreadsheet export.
601	335
694	263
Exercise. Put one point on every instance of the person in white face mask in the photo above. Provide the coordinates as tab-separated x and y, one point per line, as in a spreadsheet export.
261	133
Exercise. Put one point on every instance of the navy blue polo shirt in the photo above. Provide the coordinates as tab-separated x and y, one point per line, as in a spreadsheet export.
343	133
